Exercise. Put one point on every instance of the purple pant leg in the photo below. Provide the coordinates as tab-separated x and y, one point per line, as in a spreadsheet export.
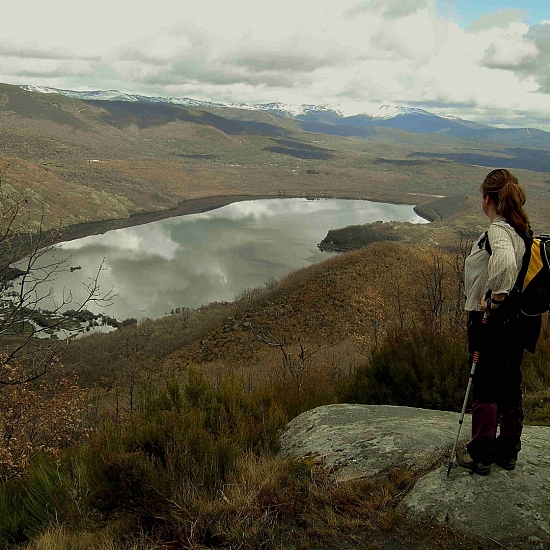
484	420
511	420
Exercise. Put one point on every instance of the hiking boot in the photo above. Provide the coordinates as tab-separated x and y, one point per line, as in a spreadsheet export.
507	463
474	467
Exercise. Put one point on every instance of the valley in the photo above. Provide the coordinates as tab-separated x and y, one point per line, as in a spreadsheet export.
89	162
165	433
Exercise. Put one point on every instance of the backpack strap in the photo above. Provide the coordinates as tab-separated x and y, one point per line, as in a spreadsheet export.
484	243
527	237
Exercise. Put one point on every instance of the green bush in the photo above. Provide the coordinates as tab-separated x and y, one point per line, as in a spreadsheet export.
536	381
184	440
416	368
12	516
192	434
536	367
30	504
117	480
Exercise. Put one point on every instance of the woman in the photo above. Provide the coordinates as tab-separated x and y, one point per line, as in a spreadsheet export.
491	270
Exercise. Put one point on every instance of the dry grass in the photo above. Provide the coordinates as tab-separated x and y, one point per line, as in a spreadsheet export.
192	478
194	469
61	539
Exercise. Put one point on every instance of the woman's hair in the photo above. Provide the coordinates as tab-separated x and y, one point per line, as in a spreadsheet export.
503	189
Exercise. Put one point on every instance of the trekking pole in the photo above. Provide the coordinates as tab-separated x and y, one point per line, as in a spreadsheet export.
461	420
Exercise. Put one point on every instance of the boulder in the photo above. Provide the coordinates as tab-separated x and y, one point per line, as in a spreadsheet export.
364	440
511	508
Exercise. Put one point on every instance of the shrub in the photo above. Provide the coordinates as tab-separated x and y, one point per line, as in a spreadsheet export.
37	416
117	480
536	381
28	505
191	434
416	368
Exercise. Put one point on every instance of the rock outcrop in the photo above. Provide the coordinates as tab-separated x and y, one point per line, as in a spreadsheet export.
512	508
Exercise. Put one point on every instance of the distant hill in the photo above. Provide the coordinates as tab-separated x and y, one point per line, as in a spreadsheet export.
123	114
329	120
88	157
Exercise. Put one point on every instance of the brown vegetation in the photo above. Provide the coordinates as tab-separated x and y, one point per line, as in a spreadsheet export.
79	164
184	413
187	412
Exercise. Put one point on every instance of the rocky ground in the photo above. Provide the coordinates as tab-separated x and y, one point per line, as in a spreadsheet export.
508	508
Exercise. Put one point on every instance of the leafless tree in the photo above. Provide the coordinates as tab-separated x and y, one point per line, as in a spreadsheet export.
24	326
433	277
459	252
294	364
41	406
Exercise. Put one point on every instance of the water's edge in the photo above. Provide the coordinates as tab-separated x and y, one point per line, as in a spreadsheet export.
189	206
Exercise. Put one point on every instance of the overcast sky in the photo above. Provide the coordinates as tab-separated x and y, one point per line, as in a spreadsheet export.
485	60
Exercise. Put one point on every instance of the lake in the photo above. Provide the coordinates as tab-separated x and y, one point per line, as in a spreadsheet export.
192	260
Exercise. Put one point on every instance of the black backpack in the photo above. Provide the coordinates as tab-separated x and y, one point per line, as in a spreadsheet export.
531	292
533	282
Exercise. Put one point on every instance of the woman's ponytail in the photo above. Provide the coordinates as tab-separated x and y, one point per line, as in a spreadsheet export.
504	190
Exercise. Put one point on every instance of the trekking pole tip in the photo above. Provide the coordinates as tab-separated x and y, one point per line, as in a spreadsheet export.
450	467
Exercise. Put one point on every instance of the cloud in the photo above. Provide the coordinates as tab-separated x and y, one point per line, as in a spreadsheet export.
149	240
539	67
389	9
503	38
501	19
352	52
186	54
35	52
285	61
30	61
51	69
523	51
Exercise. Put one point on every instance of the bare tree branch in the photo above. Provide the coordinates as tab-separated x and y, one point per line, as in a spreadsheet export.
294	364
25	326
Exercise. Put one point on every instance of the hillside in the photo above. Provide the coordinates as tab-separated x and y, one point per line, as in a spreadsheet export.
210	391
89	161
165	433
339	308
330	119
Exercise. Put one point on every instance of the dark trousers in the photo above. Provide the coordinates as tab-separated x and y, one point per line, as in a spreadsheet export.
497	398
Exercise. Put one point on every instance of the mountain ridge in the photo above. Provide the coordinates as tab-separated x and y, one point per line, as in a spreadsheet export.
330	119
115	159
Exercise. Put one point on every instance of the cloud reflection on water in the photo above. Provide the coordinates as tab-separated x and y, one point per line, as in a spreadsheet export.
150	239
192	260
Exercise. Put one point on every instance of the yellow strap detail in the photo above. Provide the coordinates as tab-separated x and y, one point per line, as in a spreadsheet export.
535	264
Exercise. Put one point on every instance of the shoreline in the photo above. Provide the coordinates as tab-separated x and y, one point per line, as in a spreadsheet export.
188	206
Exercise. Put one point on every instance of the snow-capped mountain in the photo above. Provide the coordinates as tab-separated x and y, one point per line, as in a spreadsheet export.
280	109
390	111
115	95
380	122
305	112
327	114
315	118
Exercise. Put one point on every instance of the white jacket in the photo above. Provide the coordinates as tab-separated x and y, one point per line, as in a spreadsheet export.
497	271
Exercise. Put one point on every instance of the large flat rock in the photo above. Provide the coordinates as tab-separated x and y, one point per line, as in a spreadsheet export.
510	508
364	440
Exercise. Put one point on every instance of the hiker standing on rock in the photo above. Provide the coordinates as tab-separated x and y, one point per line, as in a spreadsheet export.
491	270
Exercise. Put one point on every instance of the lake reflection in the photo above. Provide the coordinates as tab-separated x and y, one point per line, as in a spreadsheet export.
192	260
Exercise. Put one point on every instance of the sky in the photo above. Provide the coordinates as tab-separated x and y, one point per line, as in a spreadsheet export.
483	60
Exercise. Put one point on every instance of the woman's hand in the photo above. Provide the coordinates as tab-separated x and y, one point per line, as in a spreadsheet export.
493	303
